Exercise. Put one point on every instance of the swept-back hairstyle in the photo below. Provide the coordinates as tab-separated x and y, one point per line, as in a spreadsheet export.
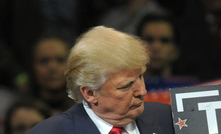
99	53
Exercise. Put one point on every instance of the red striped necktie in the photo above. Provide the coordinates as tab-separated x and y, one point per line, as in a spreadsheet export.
116	130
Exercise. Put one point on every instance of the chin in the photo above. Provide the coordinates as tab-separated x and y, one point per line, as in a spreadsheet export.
140	109
137	111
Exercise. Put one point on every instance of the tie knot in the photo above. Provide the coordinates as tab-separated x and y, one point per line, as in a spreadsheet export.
116	130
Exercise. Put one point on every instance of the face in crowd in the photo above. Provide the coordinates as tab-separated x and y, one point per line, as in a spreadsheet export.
23	119
49	63
160	37
23	115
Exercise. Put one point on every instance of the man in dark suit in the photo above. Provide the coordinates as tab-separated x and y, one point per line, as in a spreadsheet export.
105	76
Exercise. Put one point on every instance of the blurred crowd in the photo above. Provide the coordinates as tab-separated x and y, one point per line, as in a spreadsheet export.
183	37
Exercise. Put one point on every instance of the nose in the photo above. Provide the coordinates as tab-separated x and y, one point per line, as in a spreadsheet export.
52	64
140	89
156	44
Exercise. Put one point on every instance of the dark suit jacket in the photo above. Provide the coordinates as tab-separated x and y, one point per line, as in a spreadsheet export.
156	118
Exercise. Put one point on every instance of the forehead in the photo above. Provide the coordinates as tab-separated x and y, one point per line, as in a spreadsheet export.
126	74
158	27
24	114
51	47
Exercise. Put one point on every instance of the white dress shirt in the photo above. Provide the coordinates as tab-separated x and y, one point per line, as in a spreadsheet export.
105	127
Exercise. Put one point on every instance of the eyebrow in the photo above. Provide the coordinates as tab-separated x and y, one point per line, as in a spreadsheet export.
125	84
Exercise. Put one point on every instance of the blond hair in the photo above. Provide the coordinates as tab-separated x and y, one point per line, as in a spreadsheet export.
99	53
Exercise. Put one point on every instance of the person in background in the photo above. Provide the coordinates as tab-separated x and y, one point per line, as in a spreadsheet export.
47	80
160	32
105	77
23	115
7	98
200	40
61	16
127	15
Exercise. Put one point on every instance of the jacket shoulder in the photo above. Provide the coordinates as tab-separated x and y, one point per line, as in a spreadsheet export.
60	123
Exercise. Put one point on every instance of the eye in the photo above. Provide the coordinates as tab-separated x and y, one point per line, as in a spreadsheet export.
127	86
166	40
149	39
44	61
61	60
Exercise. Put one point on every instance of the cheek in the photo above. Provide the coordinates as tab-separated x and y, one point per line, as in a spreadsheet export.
167	52
40	69
40	72
120	102
172	54
41	75
61	70
15	121
123	103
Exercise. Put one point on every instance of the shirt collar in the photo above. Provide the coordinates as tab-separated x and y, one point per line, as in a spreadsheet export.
105	127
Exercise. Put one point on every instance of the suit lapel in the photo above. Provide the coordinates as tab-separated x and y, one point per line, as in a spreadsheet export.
84	125
146	126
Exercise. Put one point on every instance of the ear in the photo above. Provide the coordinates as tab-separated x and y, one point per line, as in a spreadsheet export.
88	94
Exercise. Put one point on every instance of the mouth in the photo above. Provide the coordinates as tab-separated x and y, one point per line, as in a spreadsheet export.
136	106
